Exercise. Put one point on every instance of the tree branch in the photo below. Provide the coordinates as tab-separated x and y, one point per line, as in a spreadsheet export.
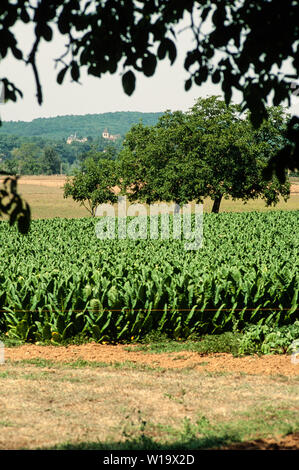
31	60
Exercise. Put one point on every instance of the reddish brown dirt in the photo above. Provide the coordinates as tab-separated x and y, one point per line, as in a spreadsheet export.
290	442
220	362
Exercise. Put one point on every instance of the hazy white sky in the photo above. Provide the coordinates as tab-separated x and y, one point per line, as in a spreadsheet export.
165	90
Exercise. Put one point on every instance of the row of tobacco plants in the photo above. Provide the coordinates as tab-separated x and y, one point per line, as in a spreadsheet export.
61	281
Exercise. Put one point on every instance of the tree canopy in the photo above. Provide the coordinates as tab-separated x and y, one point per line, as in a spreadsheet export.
60	127
93	183
241	45
210	151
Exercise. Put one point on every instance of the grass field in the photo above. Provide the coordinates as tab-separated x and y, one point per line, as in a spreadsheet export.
94	405
45	196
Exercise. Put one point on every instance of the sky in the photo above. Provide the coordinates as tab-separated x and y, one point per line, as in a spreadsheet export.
164	91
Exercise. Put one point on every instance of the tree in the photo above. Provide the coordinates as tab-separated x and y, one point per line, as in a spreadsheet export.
241	45
111	151
93	184
27	158
210	151
50	161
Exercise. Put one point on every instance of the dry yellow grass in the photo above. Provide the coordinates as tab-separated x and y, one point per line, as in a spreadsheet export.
47	201
47	405
45	196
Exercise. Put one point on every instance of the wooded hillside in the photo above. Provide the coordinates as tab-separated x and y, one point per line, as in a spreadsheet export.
60	127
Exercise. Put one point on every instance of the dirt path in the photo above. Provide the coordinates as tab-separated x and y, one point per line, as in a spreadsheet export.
265	365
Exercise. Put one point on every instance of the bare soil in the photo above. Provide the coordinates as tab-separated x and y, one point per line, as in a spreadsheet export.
290	442
121	393
267	365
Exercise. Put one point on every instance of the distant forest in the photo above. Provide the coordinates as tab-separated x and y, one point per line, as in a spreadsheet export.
40	146
89	125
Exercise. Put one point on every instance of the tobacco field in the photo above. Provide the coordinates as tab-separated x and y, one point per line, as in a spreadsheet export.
61	281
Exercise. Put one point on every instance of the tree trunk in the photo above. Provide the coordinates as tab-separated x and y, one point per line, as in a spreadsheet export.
216	204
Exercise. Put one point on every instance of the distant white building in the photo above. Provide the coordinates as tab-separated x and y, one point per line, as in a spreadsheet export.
74	138
106	135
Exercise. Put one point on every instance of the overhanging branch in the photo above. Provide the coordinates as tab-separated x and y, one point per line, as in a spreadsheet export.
31	60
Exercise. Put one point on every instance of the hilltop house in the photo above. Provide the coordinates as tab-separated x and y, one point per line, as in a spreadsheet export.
74	138
108	136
